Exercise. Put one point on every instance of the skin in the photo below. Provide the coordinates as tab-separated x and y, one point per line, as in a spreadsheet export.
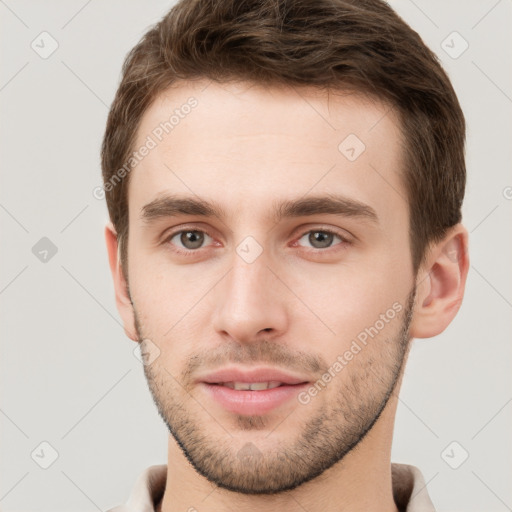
297	306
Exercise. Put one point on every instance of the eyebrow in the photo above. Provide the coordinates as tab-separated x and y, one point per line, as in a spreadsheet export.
174	205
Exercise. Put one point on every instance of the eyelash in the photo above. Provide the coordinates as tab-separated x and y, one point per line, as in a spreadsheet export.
193	252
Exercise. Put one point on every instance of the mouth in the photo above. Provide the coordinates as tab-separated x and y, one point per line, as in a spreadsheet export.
254	386
252	390
252	398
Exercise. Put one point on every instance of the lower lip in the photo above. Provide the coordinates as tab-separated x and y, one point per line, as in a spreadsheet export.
252	402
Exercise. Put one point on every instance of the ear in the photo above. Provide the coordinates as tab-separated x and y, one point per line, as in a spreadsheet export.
440	284
123	301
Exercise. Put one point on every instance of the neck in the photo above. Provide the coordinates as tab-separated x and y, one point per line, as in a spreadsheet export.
359	482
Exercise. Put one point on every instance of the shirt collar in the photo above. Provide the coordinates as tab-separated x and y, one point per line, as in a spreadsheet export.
409	490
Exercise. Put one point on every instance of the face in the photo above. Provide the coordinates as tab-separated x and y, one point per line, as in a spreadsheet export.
301	262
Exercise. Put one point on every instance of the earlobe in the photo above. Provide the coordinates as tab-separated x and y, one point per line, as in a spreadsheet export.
440	284
123	299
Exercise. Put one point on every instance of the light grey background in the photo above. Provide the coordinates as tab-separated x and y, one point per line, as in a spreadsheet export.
68	373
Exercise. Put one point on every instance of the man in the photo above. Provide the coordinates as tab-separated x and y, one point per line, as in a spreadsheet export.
284	183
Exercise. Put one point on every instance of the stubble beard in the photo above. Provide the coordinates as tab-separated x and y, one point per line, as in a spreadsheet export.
232	461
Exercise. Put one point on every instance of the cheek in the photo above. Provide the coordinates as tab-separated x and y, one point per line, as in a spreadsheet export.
163	291
171	304
348	299
169	336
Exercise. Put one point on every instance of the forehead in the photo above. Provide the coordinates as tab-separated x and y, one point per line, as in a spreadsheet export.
248	145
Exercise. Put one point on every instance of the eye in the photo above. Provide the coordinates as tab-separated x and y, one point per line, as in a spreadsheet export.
190	239
187	242
321	238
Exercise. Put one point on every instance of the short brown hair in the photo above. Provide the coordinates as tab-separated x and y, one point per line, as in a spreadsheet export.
332	44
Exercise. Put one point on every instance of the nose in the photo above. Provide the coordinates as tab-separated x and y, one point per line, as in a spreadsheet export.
249	303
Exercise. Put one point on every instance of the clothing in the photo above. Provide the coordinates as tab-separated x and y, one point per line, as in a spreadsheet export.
409	490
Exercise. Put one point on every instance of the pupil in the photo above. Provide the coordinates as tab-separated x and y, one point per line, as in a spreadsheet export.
323	238
192	239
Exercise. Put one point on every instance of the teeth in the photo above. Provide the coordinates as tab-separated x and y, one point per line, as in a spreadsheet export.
252	386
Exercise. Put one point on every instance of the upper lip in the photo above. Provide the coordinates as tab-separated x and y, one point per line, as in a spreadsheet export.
250	376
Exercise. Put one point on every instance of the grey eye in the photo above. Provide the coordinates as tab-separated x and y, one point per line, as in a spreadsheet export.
320	239
190	239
